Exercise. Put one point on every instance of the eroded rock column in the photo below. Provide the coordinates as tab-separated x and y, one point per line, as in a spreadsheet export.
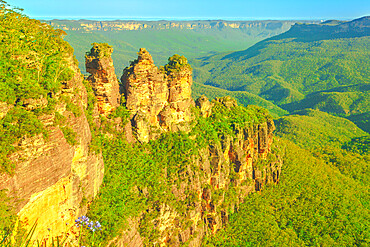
159	99
103	80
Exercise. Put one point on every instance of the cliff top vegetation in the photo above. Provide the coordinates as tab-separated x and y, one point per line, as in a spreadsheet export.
176	63
100	50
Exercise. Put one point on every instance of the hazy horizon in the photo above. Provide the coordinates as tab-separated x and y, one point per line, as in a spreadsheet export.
91	18
195	10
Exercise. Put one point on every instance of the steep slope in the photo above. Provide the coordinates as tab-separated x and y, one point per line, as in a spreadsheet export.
158	100
182	186
47	167
102	78
313	204
304	60
175	188
174	174
322	196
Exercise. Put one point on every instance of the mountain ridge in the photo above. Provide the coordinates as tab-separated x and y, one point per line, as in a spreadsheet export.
119	25
286	67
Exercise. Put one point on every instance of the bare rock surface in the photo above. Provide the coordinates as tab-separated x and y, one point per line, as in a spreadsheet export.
159	99
103	79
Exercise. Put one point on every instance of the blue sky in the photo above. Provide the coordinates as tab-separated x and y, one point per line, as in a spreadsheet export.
196	9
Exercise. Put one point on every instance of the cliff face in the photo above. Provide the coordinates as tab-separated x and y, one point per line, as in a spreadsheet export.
219	178
53	177
86	25
158	100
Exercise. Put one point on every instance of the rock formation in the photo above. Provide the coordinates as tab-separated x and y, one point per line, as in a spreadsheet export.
103	78
159	100
204	106
239	163
53	178
223	175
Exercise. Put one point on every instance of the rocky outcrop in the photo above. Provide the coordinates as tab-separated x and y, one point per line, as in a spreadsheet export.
218	180
204	106
4	108
158	100
103	78
237	164
53	179
179	80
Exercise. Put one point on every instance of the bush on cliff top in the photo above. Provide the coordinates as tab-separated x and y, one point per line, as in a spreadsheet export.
176	63
32	57
100	50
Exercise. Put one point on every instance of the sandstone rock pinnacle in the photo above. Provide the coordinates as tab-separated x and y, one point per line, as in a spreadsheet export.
159	100
103	79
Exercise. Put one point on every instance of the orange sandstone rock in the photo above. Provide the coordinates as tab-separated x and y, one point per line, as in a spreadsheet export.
159	100
103	78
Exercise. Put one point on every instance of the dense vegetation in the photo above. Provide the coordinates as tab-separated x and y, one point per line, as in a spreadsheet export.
361	120
134	179
35	62
285	70
322	197
340	101
313	205
286	67
315	129
333	139
163	43
33	65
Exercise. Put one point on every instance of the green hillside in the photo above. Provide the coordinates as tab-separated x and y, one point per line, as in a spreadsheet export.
342	101
313	129
313	205
322	197
304	60
362	121
335	140
243	98
162	40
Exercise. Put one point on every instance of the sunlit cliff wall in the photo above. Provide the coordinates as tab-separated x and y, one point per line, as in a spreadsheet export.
54	180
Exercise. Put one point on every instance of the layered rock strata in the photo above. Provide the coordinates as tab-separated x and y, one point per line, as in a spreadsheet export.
53	179
103	79
158	100
238	164
221	176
